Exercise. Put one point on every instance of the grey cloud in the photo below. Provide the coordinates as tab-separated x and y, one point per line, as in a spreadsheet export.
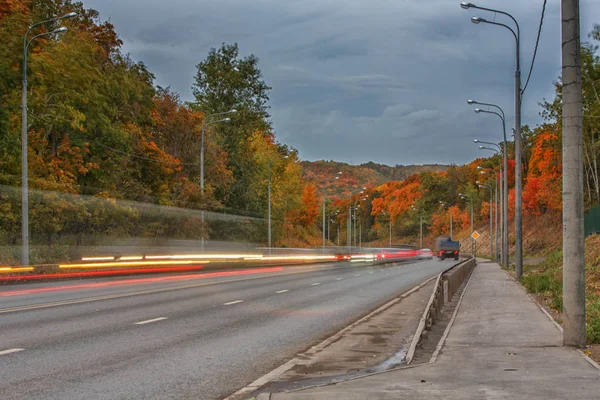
358	80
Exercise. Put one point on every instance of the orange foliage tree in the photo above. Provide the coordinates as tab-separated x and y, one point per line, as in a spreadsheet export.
542	191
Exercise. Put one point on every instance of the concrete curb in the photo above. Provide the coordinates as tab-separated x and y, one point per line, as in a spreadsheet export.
415	340
272	375
556	324
422	322
442	341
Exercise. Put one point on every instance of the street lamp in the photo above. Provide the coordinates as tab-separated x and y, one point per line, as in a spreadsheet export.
505	161
205	124
324	207
464	197
390	226
24	166
450	211
497	189
488	187
269	200
504	209
420	225
518	161
349	230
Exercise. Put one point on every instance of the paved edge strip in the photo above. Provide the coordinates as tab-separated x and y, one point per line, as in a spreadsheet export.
442	341
270	376
556	324
421	326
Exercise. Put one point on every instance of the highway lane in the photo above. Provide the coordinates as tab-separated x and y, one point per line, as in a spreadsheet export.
182	339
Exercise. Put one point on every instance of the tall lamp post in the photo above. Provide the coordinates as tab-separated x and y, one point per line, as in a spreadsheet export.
349	230
24	163
390	226
420	225
497	189
269	200
325	206
465	196
504	208
505	161
488	187
205	124
450	212
518	94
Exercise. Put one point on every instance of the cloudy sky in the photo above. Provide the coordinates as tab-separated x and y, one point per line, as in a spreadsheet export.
360	80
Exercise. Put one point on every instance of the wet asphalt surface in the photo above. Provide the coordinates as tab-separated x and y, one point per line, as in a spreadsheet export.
184	336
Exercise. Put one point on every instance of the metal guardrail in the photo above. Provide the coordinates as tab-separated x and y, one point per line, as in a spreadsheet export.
446	285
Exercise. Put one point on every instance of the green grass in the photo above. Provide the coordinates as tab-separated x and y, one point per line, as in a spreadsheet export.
545	279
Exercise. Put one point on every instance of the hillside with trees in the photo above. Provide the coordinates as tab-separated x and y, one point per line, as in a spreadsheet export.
326	175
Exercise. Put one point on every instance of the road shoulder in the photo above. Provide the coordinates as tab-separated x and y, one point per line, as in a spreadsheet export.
501	345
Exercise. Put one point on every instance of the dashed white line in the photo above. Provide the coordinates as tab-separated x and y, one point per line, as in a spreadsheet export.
282	291
339	279
3	352
315	284
356	274
371	272
148	321
232	302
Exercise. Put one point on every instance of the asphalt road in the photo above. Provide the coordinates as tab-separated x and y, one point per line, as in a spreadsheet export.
185	336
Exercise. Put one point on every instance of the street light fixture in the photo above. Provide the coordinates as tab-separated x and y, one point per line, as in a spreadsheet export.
464	197
269	200
488	187
24	162
502	117
518	162
420	225
324	207
450	212
499	216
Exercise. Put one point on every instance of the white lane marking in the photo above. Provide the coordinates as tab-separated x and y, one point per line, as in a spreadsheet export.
148	321
339	279
356	274
315	284
282	291
3	352
232	302
371	272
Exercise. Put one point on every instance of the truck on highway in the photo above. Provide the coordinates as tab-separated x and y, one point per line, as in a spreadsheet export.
447	248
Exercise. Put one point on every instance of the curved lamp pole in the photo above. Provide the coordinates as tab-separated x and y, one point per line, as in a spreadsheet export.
464	197
497	189
504	211
504	154
505	160
349	230
325	205
24	163
269	200
450	212
488	187
204	125
420	225
518	94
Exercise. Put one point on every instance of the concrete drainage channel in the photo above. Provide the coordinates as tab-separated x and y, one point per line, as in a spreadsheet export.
406	330
440	312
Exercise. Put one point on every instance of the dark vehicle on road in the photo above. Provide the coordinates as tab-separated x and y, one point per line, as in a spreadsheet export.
447	248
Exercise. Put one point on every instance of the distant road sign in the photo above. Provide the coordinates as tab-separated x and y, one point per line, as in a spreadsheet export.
475	235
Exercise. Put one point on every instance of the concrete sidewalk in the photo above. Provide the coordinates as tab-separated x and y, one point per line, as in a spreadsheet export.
501	345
